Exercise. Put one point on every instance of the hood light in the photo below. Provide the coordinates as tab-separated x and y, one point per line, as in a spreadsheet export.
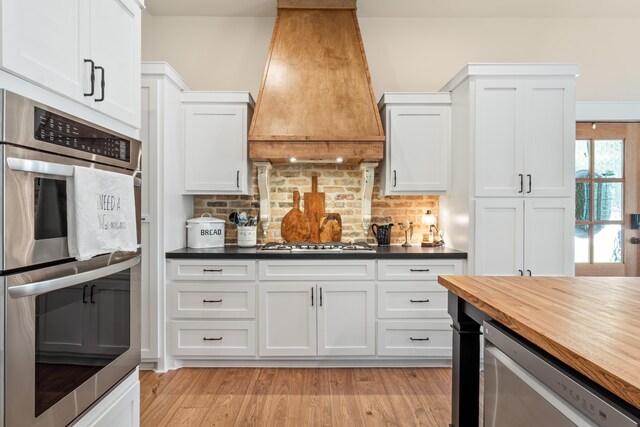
316	161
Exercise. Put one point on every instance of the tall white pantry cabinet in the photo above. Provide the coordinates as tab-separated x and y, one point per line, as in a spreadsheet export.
511	204
164	207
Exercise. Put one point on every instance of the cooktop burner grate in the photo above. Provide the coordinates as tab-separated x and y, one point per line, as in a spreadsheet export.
312	247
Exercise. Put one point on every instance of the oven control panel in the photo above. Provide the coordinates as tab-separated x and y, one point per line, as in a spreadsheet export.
55	129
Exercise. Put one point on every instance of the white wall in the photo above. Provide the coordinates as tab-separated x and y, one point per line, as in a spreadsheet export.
408	54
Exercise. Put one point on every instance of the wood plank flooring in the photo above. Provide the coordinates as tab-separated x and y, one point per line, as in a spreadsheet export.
296	397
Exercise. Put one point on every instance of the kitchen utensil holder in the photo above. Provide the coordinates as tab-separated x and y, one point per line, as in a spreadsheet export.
247	236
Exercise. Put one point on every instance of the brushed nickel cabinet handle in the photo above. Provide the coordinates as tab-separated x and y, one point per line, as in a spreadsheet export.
395	178
529	191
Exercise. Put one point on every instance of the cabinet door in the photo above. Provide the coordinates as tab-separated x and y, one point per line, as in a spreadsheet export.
346	319
114	33
499	134
548	237
419	150
287	319
499	237
215	149
550	129
42	42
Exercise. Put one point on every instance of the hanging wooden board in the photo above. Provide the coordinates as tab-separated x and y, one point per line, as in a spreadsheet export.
295	225
313	209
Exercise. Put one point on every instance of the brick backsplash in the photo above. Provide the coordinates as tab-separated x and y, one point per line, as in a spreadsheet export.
341	184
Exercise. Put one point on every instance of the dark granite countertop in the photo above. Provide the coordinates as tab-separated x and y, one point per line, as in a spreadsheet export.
381	252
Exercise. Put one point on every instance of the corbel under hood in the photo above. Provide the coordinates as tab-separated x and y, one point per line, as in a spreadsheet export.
316	101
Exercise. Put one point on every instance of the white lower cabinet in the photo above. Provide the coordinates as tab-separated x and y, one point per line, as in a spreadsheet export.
412	308
213	338
428	338
211	308
530	237
306	310
119	408
325	319
287	320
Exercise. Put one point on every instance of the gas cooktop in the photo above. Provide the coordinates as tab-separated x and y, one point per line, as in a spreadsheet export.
317	248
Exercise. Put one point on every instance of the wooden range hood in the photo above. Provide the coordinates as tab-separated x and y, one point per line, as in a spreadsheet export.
316	101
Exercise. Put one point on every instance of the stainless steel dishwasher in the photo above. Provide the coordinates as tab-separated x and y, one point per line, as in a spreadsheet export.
524	387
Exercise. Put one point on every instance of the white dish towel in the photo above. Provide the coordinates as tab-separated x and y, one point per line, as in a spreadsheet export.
101	213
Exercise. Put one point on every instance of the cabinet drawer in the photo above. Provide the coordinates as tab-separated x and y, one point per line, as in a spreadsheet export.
412	300
211	270
414	338
317	270
417	270
212	300
201	338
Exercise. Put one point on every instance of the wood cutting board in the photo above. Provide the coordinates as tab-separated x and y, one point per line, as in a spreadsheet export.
295	225
313	209
330	227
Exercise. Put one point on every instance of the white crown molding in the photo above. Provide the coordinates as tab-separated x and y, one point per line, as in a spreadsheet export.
605	111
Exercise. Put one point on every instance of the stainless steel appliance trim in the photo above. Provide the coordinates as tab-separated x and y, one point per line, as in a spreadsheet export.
18	130
20	353
20	249
47	168
44	286
561	383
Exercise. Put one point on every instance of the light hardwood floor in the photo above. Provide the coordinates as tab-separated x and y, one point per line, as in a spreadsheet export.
297	397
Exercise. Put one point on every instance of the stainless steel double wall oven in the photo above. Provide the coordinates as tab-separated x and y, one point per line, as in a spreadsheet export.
72	328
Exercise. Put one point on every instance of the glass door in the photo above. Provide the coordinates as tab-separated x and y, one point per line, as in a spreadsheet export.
606	160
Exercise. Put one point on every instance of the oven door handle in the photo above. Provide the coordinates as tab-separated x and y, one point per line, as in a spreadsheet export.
48	168
45	286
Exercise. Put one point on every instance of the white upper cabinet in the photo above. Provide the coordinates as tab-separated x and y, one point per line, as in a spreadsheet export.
61	44
215	142
417	127
114	34
499	138
550	129
524	132
31	49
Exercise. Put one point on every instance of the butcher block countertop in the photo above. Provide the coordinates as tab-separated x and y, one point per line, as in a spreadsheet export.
590	323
